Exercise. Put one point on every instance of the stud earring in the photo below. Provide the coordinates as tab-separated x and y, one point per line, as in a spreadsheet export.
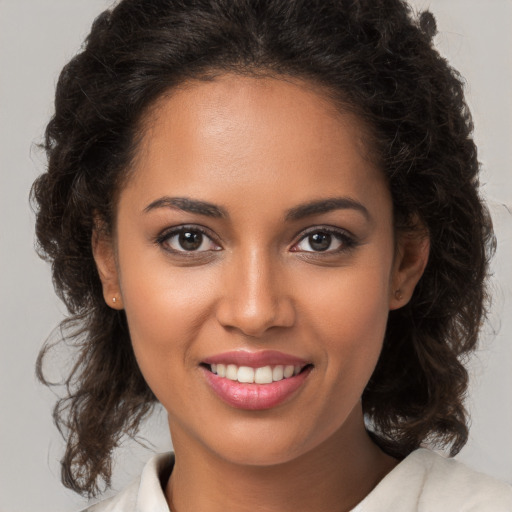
398	295
114	299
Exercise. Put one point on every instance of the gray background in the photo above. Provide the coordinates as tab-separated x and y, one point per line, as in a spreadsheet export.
36	38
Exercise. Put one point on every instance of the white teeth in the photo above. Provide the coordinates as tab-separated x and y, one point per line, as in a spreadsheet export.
288	371
262	375
231	372
221	370
245	374
278	373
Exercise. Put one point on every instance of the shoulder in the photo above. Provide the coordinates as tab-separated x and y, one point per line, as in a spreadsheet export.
461	486
124	501
426	481
145	494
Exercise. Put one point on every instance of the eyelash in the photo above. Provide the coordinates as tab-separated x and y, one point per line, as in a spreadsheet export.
167	236
346	240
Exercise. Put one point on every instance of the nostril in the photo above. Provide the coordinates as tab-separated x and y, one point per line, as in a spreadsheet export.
254	321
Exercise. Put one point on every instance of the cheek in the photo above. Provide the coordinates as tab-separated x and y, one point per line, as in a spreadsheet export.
350	315
165	308
354	300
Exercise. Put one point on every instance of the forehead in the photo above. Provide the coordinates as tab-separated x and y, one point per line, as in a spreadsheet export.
252	103
254	133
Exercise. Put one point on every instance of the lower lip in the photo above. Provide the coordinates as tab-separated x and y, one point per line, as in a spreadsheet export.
255	397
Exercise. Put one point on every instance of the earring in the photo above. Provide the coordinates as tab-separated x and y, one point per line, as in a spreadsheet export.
398	295
114	299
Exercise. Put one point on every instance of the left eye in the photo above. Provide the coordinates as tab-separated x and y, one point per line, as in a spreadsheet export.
188	240
322	241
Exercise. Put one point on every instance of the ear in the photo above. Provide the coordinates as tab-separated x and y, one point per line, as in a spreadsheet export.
103	251
410	261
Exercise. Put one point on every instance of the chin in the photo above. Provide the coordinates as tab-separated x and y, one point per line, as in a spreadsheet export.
263	444
242	454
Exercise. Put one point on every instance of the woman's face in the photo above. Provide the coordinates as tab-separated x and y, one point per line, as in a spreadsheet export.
254	239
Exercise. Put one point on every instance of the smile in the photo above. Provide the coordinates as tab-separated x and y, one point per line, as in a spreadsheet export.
255	381
262	375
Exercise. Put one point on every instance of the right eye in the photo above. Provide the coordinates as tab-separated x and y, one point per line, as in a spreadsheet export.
187	240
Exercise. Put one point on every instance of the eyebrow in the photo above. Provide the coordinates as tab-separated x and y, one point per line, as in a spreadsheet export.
325	206
187	205
297	213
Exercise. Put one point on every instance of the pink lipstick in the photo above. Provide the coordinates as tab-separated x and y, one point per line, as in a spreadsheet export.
255	380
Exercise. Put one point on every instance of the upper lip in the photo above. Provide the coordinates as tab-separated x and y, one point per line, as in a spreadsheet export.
255	359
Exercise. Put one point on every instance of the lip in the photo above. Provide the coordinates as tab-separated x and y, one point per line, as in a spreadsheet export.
253	396
256	359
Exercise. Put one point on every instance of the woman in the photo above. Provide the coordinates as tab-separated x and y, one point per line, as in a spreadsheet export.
265	216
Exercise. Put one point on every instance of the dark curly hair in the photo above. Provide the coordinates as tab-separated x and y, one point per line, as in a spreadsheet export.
376	58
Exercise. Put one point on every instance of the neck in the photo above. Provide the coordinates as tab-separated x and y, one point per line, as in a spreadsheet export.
335	476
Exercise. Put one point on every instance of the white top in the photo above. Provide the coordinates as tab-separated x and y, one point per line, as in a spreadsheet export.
423	482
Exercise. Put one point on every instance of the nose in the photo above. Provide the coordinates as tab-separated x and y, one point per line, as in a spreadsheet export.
254	296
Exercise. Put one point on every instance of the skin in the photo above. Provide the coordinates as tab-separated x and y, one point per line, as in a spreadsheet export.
258	148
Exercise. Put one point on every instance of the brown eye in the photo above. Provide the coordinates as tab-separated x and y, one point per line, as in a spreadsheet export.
190	240
324	240
187	240
320	241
